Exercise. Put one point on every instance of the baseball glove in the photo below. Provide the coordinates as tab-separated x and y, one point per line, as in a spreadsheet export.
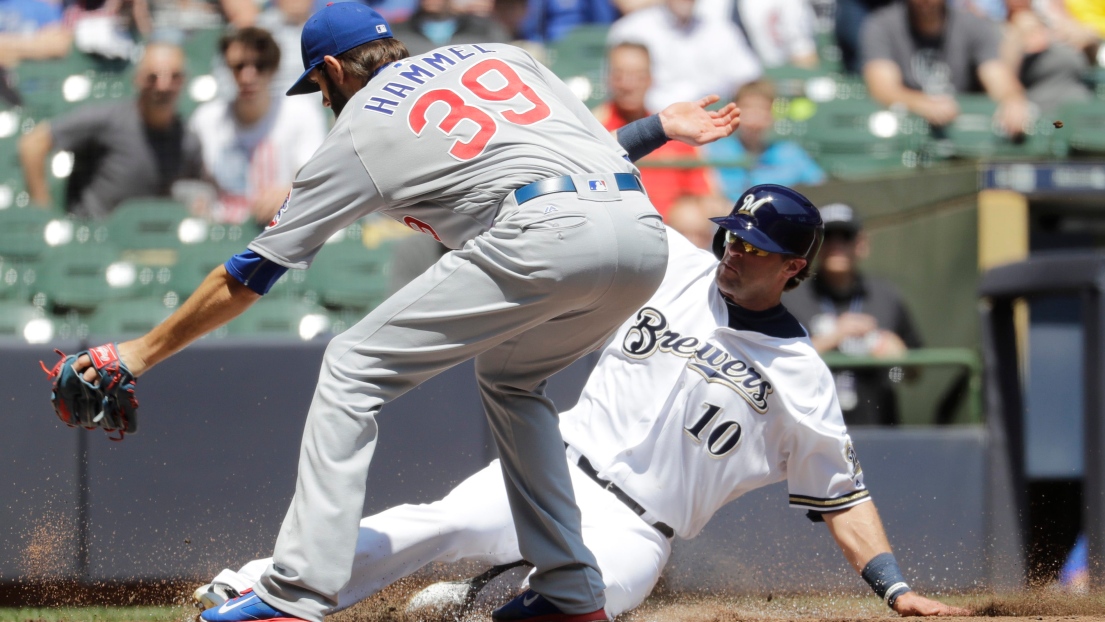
109	403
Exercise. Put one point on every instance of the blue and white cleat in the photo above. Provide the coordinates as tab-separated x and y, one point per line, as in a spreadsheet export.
529	606
246	608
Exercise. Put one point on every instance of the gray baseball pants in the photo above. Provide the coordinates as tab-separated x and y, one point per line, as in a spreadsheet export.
549	282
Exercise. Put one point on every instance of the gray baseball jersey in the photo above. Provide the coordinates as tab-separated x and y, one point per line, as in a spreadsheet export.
439	142
436	142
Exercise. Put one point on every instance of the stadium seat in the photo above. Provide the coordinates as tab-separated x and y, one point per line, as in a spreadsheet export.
141	224
579	59
347	274
974	134
860	127
23	232
126	318
277	316
77	276
52	87
14	317
196	261
1083	127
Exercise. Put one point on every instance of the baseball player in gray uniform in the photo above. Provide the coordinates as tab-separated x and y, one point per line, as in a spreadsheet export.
554	244
711	390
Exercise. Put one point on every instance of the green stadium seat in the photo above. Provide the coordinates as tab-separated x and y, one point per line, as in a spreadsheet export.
277	316
43	83
17	279
579	58
860	127
1084	127
77	276
347	274
196	261
23	232
141	224
126	318
14	317
974	134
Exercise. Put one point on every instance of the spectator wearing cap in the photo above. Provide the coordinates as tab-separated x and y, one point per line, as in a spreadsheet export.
850	312
763	158
254	145
922	53
121	150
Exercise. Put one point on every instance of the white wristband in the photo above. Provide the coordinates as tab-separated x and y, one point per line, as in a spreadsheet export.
894	591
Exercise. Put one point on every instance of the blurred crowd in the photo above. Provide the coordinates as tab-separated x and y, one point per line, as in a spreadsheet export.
231	158
239	152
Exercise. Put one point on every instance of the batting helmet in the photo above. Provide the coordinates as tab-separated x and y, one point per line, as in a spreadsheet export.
775	219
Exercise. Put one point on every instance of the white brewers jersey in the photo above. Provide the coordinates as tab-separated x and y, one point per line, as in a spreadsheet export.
686	414
437	142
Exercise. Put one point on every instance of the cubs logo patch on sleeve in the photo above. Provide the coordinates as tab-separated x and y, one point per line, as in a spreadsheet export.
280	212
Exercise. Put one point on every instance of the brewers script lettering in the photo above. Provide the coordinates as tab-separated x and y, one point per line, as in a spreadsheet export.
651	333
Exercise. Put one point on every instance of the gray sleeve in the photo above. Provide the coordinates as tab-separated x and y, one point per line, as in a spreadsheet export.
876	39
80	127
577	107
332	191
985	38
193	156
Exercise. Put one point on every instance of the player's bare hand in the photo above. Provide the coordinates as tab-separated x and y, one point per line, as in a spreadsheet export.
127	354
691	123
913	604
1012	115
939	110
888	346
855	324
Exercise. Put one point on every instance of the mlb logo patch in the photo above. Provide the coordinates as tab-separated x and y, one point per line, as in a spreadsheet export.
596	185
380	28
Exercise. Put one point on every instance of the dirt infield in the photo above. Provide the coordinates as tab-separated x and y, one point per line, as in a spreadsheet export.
663	606
390	606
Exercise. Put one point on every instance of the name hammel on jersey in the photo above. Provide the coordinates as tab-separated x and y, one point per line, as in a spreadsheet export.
719	411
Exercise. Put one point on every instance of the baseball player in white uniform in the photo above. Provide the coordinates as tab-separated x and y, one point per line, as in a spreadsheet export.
708	391
554	244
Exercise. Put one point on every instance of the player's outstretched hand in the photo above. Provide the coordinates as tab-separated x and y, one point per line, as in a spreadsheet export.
691	123
913	604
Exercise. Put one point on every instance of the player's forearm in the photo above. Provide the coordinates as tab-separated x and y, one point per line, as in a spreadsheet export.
219	299
884	83
33	150
859	533
1000	82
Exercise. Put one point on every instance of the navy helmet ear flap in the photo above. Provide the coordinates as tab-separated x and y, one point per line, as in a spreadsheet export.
718	245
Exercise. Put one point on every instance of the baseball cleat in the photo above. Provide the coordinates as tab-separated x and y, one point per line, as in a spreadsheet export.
246	608
213	595
533	607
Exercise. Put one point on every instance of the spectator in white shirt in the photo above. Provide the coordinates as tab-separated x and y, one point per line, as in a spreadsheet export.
254	145
691	56
780	31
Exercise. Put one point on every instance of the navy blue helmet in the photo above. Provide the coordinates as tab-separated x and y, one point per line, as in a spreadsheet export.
775	219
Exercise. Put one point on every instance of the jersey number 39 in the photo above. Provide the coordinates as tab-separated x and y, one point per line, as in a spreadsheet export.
532	111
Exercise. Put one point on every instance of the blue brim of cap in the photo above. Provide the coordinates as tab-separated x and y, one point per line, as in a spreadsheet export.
742	226
304	85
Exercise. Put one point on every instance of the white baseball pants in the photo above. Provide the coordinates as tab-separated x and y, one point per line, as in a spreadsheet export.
473	523
549	282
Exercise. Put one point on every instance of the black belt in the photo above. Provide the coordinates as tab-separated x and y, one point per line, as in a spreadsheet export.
585	466
626	182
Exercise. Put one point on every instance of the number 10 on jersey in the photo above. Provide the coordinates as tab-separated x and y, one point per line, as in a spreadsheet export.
534	110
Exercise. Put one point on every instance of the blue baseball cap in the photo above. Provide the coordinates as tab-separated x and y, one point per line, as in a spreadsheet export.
336	28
